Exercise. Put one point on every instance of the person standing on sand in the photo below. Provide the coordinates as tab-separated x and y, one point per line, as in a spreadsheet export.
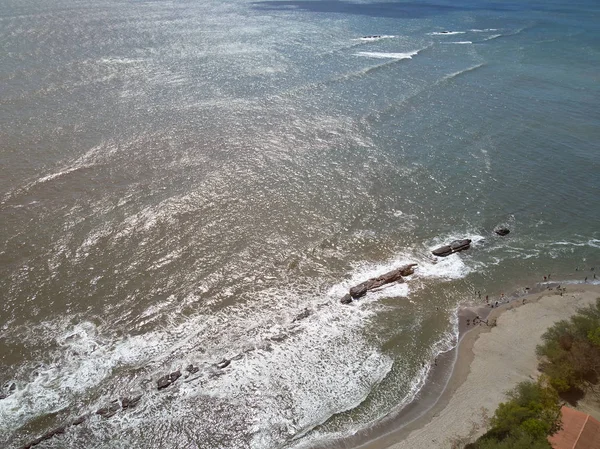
585	280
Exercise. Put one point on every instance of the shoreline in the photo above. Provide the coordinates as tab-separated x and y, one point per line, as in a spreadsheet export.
475	375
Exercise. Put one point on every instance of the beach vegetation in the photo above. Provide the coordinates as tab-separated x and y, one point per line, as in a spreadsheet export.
515	440
570	352
525	420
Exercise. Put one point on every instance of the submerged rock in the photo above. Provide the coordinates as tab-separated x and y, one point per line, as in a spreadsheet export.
502	231
192	369
167	380
130	401
80	420
111	410
304	314
223	363
346	299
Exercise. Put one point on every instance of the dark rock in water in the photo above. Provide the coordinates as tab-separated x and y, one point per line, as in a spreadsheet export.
346	299
58	431
167	380
163	382
460	245
223	363
111	410
192	369
130	401
361	289
11	388
502	231
442	251
454	247
79	420
279	338
304	314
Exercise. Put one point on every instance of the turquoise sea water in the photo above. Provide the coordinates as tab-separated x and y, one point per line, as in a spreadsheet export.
181	179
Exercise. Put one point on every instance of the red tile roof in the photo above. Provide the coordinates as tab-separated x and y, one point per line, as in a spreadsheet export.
579	431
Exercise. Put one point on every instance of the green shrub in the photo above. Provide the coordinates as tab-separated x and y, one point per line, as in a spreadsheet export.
525	420
571	350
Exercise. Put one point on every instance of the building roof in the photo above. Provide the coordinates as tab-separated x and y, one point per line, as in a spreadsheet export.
579	431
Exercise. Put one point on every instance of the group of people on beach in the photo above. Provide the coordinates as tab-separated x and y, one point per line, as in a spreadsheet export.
586	278
487	299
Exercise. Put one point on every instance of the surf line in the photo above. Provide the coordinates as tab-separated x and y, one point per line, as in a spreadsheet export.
397	275
358	291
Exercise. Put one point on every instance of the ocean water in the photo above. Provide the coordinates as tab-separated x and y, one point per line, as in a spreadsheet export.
181	179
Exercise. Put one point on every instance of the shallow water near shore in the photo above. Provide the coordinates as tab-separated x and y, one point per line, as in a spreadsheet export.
181	180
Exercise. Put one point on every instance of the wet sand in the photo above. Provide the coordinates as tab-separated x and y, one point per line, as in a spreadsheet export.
468	383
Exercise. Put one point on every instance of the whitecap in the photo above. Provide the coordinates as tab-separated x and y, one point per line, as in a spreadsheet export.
493	36
375	38
446	33
383	55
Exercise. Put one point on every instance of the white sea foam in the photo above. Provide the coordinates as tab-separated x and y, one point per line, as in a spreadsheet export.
593	243
84	360
450	267
383	55
459	42
446	33
447	238
87	160
447	268
375	38
460	72
280	359
475	30
493	36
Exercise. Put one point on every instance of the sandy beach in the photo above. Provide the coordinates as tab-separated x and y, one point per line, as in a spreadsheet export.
489	361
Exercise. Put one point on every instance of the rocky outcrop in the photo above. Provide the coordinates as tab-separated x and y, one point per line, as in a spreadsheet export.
454	247
9	389
58	431
360	290
304	314
105	412
79	420
192	369
130	401
502	231
168	380
110	410
346	299
223	363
